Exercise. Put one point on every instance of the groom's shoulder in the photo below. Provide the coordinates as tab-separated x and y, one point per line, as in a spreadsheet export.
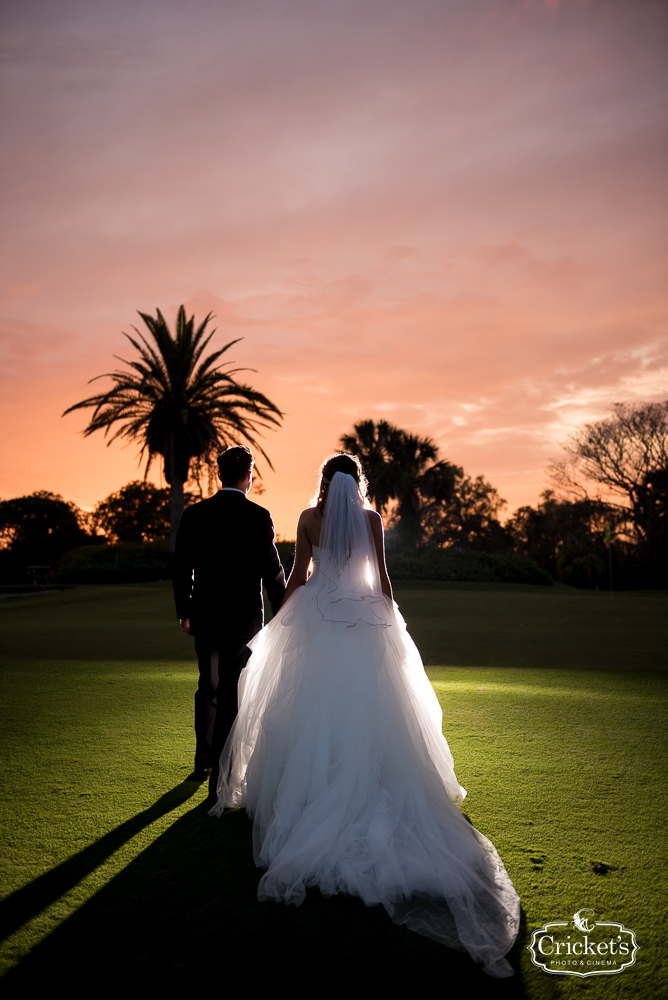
203	510
257	510
228	499
198	507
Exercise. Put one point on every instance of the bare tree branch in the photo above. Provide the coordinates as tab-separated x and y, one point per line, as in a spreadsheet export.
621	461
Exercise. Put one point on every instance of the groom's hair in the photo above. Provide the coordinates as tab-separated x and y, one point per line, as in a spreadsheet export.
234	464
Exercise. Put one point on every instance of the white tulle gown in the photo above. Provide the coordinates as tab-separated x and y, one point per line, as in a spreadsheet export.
338	756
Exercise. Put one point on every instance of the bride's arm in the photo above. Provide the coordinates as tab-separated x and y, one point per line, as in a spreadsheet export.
303	553
377	531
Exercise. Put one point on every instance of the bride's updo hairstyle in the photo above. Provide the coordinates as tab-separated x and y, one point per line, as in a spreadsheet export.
340	461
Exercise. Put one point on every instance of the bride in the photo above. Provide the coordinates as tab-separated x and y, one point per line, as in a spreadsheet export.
337	752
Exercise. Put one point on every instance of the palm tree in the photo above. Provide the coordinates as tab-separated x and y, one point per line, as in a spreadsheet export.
178	404
409	457
403	467
368	441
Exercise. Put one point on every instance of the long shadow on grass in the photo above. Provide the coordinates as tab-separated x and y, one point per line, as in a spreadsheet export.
26	903
185	913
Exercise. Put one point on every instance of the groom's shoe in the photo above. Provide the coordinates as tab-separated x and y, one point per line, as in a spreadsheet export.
201	769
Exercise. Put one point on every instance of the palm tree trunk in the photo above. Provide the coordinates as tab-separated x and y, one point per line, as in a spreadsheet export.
176	504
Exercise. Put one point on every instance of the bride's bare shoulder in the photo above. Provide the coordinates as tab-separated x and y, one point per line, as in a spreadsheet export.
309	524
309	516
376	522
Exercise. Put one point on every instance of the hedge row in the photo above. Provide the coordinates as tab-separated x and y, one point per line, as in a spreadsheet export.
130	562
137	562
127	562
463	565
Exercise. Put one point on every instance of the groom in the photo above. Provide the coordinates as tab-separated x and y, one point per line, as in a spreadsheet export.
225	551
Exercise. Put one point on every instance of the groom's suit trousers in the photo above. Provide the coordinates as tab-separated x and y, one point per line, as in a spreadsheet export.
216	697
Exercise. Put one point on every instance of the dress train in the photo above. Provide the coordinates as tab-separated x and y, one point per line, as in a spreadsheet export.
338	756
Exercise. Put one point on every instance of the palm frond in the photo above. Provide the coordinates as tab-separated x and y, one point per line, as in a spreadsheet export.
175	401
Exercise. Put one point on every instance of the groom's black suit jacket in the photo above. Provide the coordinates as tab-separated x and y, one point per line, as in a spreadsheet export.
225	551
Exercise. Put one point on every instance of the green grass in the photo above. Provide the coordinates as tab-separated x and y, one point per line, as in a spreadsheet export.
113	872
517	625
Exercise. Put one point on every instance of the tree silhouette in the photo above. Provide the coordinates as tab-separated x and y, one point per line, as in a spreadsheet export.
138	512
402	466
37	529
178	404
625	457
369	442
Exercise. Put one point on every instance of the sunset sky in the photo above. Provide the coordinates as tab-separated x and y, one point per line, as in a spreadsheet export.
451	214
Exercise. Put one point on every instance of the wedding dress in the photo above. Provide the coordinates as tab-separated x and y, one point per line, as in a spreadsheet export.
338	756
